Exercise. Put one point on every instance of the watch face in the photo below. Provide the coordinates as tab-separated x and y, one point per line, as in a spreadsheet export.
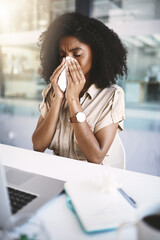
81	117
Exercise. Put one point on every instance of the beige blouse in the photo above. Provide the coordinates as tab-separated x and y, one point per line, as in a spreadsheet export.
102	108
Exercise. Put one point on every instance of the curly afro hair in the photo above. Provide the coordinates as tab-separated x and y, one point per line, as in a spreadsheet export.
109	54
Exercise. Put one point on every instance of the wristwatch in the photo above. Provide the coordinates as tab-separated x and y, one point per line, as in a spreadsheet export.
79	117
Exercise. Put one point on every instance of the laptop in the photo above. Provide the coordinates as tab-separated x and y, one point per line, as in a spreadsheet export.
23	193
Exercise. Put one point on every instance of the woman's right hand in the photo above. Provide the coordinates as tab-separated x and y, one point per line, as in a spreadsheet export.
54	80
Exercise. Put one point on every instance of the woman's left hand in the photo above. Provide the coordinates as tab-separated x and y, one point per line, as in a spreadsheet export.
76	80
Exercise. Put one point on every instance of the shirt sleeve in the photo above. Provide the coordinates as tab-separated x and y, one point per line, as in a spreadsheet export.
43	106
113	112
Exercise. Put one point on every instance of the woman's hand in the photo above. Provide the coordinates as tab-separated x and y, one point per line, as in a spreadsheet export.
54	80
76	80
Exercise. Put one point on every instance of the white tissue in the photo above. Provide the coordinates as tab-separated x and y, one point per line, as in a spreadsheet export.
106	182
62	82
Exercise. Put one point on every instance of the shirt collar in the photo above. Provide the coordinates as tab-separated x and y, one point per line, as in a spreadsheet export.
92	91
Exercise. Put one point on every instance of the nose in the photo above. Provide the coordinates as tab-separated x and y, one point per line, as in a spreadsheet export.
69	55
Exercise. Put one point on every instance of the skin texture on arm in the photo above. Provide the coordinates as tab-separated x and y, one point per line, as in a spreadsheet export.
46	127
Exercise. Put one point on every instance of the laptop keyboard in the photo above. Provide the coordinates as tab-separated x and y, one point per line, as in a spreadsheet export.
19	199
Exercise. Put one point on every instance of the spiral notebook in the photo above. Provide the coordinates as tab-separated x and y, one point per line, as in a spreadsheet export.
95	209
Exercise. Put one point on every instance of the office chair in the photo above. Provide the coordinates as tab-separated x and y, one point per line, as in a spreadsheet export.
116	154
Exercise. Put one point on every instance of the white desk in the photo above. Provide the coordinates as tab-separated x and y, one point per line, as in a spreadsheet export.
60	222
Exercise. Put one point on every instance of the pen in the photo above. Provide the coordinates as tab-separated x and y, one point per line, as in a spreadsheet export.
128	198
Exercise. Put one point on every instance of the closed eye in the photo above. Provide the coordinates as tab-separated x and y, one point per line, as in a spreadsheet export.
76	55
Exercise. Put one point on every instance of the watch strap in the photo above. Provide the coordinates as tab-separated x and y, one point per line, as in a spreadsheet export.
73	119
79	117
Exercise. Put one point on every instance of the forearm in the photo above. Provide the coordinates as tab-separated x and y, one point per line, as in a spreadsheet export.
88	143
85	137
46	128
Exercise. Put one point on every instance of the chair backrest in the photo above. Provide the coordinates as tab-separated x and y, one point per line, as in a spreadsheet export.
116	155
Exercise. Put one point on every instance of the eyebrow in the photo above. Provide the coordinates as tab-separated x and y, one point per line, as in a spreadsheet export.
72	50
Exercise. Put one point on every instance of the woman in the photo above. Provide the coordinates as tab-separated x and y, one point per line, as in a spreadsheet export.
81	122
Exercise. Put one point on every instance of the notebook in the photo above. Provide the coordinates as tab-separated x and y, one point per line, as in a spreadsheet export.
95	209
23	193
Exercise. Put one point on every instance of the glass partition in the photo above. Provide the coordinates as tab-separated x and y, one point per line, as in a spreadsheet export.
143	83
21	23
21	72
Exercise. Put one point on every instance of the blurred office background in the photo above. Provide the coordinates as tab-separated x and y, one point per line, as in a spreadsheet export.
137	22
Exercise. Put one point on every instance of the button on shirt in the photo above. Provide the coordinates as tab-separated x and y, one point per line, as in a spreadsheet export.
102	107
